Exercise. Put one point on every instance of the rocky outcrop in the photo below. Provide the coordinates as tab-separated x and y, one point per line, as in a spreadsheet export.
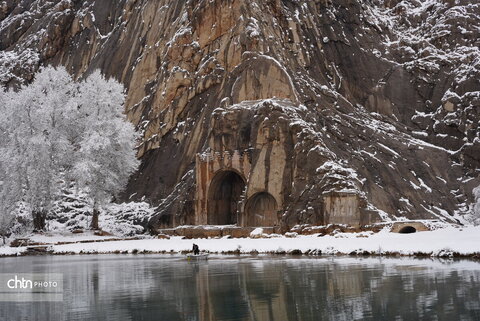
376	99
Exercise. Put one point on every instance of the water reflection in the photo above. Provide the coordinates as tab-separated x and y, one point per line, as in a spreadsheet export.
262	288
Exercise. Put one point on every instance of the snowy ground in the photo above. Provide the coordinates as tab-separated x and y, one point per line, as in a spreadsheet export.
67	237
443	242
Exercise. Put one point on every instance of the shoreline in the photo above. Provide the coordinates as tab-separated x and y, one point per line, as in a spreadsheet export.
314	253
448	242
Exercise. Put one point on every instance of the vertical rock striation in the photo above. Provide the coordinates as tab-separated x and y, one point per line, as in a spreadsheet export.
373	103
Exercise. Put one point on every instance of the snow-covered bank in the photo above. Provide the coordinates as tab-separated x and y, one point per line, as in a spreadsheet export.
444	242
68	237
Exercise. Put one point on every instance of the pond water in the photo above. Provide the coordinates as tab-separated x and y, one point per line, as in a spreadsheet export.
164	287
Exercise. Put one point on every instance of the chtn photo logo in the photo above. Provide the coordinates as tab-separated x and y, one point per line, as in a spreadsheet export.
31	287
23	283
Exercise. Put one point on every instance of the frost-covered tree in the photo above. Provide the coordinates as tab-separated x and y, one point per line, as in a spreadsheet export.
7	200
7	193
57	129
34	148
105	155
5	211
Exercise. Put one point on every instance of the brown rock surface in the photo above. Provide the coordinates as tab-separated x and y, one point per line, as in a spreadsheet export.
379	101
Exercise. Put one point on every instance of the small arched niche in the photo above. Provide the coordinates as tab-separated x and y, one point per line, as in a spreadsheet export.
407	229
224	195
261	210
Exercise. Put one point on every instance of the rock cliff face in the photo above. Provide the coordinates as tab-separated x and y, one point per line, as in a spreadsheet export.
368	109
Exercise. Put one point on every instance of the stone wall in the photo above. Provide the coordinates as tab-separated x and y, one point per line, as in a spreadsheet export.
342	208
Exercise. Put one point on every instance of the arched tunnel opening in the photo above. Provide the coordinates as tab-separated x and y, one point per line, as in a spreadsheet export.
407	230
224	195
261	210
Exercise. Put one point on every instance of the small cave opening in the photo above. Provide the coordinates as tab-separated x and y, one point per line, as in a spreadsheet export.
407	230
224	195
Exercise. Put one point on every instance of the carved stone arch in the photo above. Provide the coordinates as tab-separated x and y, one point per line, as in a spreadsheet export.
261	210
224	195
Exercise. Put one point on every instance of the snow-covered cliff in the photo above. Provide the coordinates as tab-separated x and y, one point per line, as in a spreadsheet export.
378	98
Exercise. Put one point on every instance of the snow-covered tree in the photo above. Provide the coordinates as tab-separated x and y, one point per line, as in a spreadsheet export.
5	212
105	153
57	129
34	149
7	201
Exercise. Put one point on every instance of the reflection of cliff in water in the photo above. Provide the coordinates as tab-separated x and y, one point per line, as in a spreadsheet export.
262	289
297	290
294	290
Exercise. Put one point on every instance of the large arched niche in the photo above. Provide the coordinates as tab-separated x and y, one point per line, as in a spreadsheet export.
224	194
261	210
